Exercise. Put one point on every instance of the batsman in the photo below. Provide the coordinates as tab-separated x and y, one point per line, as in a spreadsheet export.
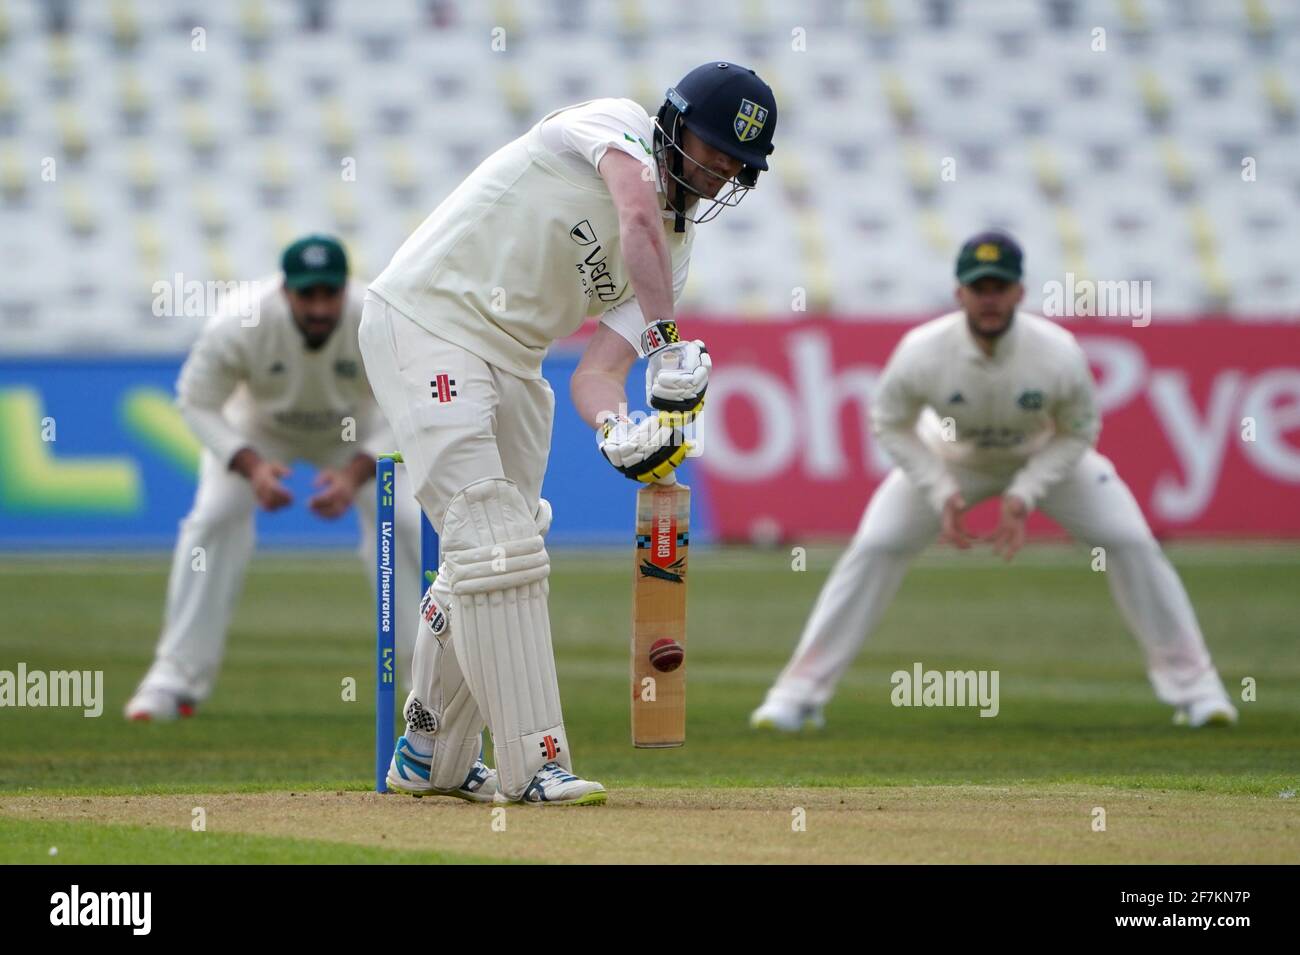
591	213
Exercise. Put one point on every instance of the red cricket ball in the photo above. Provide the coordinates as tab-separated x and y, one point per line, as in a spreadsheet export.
666	654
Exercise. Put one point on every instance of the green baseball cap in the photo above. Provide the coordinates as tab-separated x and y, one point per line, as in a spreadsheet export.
987	254
315	260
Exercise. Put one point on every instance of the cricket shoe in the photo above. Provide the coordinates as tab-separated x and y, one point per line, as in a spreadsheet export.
1211	711
409	773
787	717
554	786
157	706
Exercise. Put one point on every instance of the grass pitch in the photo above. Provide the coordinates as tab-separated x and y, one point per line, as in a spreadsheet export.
280	762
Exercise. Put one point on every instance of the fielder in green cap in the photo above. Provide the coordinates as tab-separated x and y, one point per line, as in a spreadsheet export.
276	382
993	402
989	268
315	282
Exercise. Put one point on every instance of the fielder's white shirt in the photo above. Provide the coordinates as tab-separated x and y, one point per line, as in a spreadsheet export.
244	380
527	247
1028	410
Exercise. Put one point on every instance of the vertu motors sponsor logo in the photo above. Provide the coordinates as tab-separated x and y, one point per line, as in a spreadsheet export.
593	270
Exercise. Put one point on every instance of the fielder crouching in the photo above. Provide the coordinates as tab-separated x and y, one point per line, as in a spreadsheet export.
260	394
1019	397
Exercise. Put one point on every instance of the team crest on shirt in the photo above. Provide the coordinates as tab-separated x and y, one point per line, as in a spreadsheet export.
750	119
345	368
1031	400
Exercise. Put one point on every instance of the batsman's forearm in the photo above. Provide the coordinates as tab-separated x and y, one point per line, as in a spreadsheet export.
596	394
649	266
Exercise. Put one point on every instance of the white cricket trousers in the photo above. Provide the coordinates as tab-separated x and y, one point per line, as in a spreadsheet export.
460	421
1093	504
214	547
479	422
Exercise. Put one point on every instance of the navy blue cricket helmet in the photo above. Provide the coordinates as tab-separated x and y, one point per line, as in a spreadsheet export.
731	109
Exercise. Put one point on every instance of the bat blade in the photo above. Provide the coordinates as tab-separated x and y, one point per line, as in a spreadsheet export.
663	517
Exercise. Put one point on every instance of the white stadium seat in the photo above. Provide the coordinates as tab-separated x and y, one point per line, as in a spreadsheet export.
1126	163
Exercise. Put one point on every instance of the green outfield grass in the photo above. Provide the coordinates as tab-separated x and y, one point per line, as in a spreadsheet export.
93	843
1075	705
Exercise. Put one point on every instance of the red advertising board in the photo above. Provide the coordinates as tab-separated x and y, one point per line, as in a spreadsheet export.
1202	419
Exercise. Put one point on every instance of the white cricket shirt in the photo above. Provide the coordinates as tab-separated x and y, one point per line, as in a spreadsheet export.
1027	411
243	380
527	247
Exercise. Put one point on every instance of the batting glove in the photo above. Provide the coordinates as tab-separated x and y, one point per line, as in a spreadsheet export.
648	452
677	373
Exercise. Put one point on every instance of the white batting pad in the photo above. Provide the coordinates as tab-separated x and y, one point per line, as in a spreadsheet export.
497	569
440	711
543	516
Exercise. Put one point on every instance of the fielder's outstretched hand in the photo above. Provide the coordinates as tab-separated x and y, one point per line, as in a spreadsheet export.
265	477
954	532
648	451
335	496
1009	536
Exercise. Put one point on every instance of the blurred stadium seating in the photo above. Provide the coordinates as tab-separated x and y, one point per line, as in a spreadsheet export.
203	153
